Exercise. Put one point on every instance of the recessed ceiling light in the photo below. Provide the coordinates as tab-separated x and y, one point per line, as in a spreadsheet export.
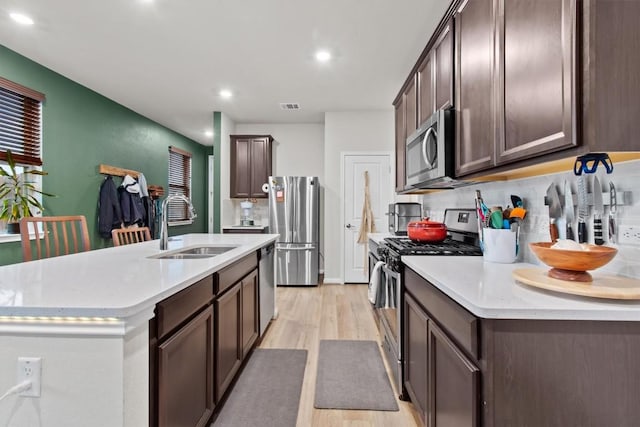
208	133
226	93
21	19
323	55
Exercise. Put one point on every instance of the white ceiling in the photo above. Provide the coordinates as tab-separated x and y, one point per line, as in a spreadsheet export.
168	59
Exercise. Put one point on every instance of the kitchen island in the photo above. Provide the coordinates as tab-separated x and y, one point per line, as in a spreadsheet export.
88	317
481	349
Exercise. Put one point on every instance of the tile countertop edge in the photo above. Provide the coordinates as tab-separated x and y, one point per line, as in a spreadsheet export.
138	310
489	291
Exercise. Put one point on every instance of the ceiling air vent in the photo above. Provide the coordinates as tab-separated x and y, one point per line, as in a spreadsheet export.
289	106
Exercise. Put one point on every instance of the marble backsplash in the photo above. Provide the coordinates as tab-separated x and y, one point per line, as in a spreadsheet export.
535	227
232	212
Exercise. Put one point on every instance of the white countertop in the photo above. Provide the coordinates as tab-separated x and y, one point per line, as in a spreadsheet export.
118	282
488	290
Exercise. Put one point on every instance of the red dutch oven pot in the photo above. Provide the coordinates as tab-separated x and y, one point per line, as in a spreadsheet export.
427	231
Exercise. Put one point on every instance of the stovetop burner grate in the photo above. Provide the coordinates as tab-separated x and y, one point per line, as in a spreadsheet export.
447	247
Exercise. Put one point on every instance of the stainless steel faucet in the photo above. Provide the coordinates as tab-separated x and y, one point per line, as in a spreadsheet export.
164	240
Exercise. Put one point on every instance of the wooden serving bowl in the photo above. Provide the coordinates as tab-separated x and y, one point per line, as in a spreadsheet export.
572	265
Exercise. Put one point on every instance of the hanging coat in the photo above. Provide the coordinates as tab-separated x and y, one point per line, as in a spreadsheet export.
109	212
147	203
130	202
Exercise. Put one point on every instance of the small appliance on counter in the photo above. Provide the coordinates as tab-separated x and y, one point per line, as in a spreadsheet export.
401	214
247	213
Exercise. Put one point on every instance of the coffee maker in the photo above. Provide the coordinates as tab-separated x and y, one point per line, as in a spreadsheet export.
247	213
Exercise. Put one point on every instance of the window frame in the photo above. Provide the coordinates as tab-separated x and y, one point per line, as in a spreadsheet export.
18	99
180	170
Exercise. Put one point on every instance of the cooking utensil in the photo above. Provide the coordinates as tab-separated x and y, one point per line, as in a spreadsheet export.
518	213
480	217
555	210
598	211
568	210
588	163
516	201
613	206
427	231
495	219
583	209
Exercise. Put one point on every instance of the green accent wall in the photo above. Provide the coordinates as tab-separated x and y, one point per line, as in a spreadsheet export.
82	129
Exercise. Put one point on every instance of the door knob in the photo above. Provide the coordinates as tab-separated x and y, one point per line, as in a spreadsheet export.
349	226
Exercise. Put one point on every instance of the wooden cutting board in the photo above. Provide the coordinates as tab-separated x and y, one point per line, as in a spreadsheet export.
613	287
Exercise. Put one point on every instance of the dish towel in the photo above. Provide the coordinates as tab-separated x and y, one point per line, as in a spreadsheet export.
374	282
367	224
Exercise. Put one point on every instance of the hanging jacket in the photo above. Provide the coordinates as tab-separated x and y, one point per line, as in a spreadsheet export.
147	203
109	212
133	211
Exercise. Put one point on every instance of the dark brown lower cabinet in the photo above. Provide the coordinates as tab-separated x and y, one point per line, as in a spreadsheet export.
228	348
249	323
198	340
416	379
516	372
453	383
185	374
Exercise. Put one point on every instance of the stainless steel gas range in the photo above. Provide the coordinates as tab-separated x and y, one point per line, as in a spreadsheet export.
462	240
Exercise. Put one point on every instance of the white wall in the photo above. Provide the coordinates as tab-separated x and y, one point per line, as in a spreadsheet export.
86	380
297	148
535	227
347	131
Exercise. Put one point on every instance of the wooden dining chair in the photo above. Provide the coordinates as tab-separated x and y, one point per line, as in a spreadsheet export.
126	236
53	236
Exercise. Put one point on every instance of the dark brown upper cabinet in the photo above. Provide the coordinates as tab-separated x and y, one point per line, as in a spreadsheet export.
411	105
406	122
515	99
474	77
426	91
250	165
536	78
435	76
401	137
443	81
611	61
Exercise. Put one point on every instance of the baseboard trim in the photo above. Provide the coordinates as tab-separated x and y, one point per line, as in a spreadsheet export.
332	280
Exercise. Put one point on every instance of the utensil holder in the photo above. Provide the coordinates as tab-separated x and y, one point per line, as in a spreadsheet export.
500	245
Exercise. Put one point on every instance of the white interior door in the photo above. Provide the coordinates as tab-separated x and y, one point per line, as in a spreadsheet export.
380	192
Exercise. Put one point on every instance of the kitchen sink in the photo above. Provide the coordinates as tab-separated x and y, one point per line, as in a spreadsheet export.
183	256
195	253
207	250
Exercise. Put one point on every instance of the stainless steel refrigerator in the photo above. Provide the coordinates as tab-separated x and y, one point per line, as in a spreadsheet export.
294	214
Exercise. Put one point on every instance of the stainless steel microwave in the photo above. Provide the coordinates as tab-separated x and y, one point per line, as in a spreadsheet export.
429	153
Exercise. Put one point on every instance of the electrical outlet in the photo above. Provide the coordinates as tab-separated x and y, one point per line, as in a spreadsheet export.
30	369
629	235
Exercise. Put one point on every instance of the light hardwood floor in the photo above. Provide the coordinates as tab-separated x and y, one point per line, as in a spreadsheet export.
307	315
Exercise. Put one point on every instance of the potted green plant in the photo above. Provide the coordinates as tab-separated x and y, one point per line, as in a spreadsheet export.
17	195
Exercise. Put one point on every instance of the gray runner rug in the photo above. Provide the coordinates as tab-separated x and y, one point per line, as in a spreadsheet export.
351	375
267	393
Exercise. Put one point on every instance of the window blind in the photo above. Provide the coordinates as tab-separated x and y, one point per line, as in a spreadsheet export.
20	123
179	183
